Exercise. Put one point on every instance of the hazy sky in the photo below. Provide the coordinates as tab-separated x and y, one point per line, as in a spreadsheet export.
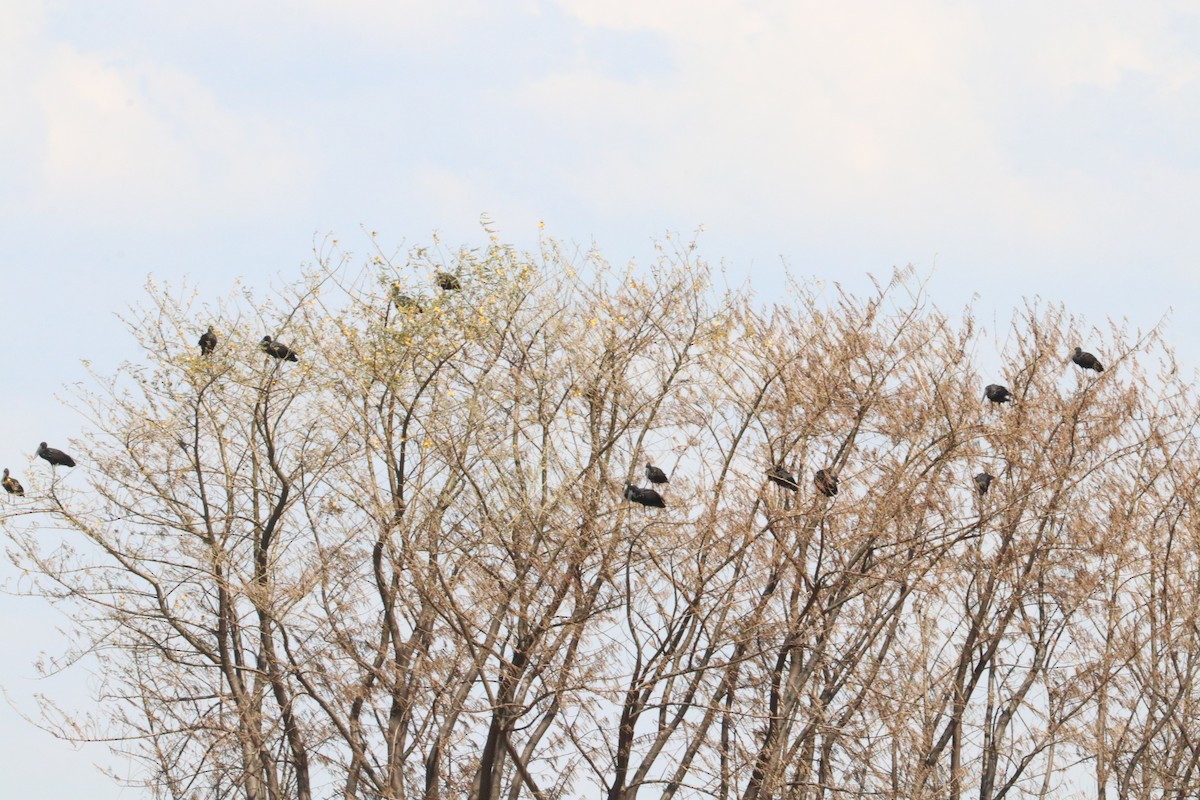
1007	149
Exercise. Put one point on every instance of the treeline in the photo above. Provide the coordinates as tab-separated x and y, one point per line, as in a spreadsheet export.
405	565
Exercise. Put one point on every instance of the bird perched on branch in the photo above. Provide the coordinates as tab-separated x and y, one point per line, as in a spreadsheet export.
646	497
997	393
983	482
654	474
278	350
1087	360
208	342
12	485
826	482
57	458
778	475
446	282
404	301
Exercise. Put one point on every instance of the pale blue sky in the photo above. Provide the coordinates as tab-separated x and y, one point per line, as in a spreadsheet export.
1012	149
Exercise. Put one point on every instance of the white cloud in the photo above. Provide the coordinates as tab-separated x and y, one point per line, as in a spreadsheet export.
152	141
913	118
818	108
453	200
408	23
93	138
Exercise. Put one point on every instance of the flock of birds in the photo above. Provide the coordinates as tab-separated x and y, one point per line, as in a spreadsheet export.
208	345
443	280
279	350
56	457
826	480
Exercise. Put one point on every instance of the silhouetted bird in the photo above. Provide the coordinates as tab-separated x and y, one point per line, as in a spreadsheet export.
403	300
646	497
12	485
208	341
826	482
777	474
56	457
446	282
654	474
997	393
277	350
983	482
1086	360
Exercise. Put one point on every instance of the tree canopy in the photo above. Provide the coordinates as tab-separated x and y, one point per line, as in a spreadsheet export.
405	565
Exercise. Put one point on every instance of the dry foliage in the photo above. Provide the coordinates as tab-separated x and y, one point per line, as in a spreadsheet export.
403	567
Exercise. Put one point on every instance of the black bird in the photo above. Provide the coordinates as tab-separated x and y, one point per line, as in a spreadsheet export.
983	482
446	282
1086	360
826	482
997	393
403	300
654	474
777	474
12	485
646	497
208	341
277	350
56	458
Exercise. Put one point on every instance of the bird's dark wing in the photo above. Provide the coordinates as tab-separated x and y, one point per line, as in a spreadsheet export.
655	475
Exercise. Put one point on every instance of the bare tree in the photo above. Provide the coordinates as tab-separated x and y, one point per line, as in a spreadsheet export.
404	565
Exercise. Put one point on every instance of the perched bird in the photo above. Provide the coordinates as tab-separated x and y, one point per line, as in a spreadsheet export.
777	474
446	282
208	341
654	474
56	458
1086	360
646	497
277	350
983	482
997	393
826	482
12	485
402	300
